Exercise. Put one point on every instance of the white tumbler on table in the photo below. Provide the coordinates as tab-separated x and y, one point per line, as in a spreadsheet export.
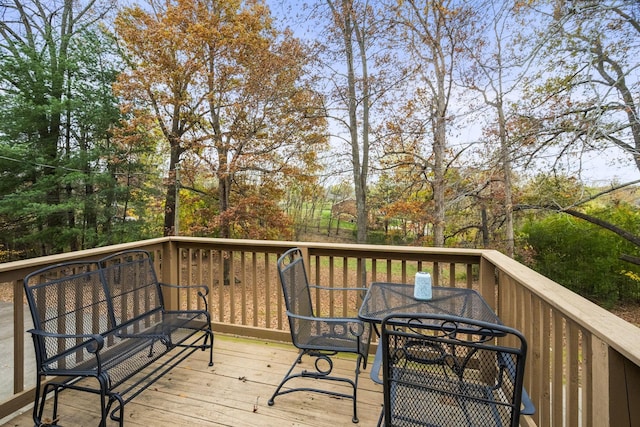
422	286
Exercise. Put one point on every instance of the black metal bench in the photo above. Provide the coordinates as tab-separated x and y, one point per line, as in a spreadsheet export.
102	327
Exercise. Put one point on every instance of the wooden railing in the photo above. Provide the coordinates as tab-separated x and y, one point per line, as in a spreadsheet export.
583	366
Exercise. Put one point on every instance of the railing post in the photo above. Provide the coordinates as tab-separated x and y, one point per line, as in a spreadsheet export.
18	337
600	383
170	267
487	278
623	391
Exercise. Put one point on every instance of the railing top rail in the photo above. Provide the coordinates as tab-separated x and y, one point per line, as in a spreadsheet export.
319	248
619	334
18	269
246	245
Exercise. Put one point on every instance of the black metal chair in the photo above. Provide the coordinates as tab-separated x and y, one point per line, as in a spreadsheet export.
318	337
441	370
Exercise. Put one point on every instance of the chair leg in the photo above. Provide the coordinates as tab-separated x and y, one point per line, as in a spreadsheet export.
354	383
40	401
381	418
286	378
320	375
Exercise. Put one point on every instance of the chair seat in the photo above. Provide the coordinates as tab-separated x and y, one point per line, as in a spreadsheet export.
330	343
350	335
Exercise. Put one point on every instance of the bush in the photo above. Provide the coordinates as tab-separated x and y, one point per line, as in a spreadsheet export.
584	257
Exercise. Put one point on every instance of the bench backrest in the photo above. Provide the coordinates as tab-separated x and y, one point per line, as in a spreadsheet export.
66	299
91	297
132	285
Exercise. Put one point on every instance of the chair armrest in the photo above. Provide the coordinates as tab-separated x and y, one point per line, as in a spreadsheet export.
93	342
377	366
201	293
204	292
362	291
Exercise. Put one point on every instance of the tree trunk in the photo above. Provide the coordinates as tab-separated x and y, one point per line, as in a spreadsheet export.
506	170
170	196
224	184
439	144
484	227
361	184
347	32
359	155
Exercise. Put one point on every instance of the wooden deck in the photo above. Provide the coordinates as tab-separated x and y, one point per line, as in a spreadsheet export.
245	372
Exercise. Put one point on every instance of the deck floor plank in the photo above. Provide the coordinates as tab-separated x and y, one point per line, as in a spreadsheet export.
245	371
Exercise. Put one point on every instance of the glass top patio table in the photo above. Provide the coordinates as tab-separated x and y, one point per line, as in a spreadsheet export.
383	299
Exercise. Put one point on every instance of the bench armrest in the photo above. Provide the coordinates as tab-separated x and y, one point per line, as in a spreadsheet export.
50	363
202	293
93	342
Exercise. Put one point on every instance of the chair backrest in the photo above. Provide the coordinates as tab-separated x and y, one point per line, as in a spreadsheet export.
132	285
297	296
447	370
66	299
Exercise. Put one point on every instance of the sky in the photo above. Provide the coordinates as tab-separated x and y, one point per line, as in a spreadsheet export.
604	169
600	169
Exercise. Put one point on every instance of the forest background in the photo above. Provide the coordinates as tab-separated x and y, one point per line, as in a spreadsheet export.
506	124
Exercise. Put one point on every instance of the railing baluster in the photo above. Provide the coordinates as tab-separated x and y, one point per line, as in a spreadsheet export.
586	378
347	280
199	304
232	287
558	370
254	286
18	339
267	293
211	281
543	413
243	292
452	275
220	285
573	376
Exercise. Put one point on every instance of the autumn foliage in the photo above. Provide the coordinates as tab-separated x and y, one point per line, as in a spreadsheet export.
226	93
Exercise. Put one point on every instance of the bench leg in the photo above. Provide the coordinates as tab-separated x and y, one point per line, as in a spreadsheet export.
38	406
151	348
40	401
119	409
209	339
104	407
